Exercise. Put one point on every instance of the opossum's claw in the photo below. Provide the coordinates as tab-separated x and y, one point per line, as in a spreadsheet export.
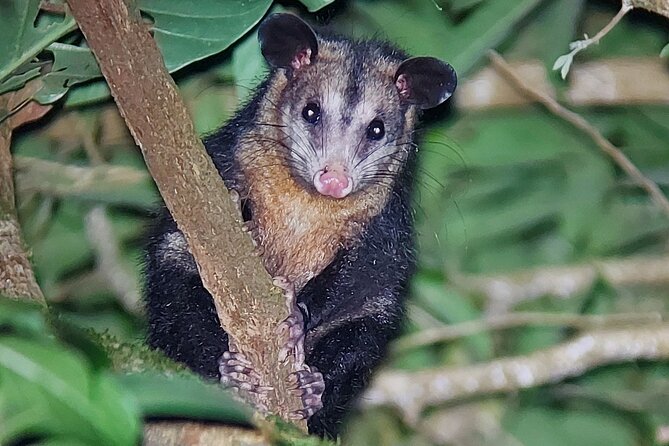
310	385
238	373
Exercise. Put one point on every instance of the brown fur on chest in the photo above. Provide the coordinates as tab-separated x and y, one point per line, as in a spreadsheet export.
300	231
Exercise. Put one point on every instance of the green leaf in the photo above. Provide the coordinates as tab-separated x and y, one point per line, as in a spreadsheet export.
248	66
57	387
24	318
88	93
183	396
590	177
187	31
552	427
62	442
63	246
420	28
530	190
450	307
563	63
460	6
72	65
415	24
25	33
315	5
19	80
485	28
210	105
665	51
548	32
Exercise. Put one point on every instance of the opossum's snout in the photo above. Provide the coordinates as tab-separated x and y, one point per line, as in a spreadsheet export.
333	181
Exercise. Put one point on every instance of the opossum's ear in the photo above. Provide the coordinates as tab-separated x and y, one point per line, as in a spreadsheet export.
287	42
425	81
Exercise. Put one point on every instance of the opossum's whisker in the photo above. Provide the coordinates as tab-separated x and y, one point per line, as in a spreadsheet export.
304	139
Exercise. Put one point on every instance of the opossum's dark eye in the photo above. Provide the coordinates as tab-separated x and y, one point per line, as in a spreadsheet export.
375	130
311	113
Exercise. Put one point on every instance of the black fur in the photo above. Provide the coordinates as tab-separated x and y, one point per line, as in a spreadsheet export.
355	306
367	285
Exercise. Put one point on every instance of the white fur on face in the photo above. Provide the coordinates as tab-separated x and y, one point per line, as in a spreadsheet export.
352	87
340	136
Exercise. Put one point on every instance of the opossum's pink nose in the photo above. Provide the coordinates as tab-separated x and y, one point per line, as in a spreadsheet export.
333	182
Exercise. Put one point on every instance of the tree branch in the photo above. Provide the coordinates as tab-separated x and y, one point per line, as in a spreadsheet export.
248	306
63	180
188	433
615	81
522	319
504	291
109	262
412	392
579	122
17	279
580	45
657	6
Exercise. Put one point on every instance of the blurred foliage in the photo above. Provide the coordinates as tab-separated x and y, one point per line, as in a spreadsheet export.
498	192
56	387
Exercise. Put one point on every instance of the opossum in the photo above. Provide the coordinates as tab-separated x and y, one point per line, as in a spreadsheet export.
322	161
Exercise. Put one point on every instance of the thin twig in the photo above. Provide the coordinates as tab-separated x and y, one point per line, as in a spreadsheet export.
512	320
62	180
563	63
615	81
624	9
412	392
109	261
173	433
579	122
504	291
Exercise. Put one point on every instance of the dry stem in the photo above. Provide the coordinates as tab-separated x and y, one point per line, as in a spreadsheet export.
504	291
625	7
580	123
616	81
189	433
512	320
101	236
17	279
61	180
411	392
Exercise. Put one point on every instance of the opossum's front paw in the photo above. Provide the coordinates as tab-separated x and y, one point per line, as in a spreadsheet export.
310	385
292	327
238	373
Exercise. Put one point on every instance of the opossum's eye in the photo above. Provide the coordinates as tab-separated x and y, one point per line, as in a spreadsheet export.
375	130
311	113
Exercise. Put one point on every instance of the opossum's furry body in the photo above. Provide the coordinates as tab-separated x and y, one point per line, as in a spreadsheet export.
322	158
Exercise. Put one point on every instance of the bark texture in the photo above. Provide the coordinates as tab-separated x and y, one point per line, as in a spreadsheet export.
412	392
248	306
17	279
188	433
